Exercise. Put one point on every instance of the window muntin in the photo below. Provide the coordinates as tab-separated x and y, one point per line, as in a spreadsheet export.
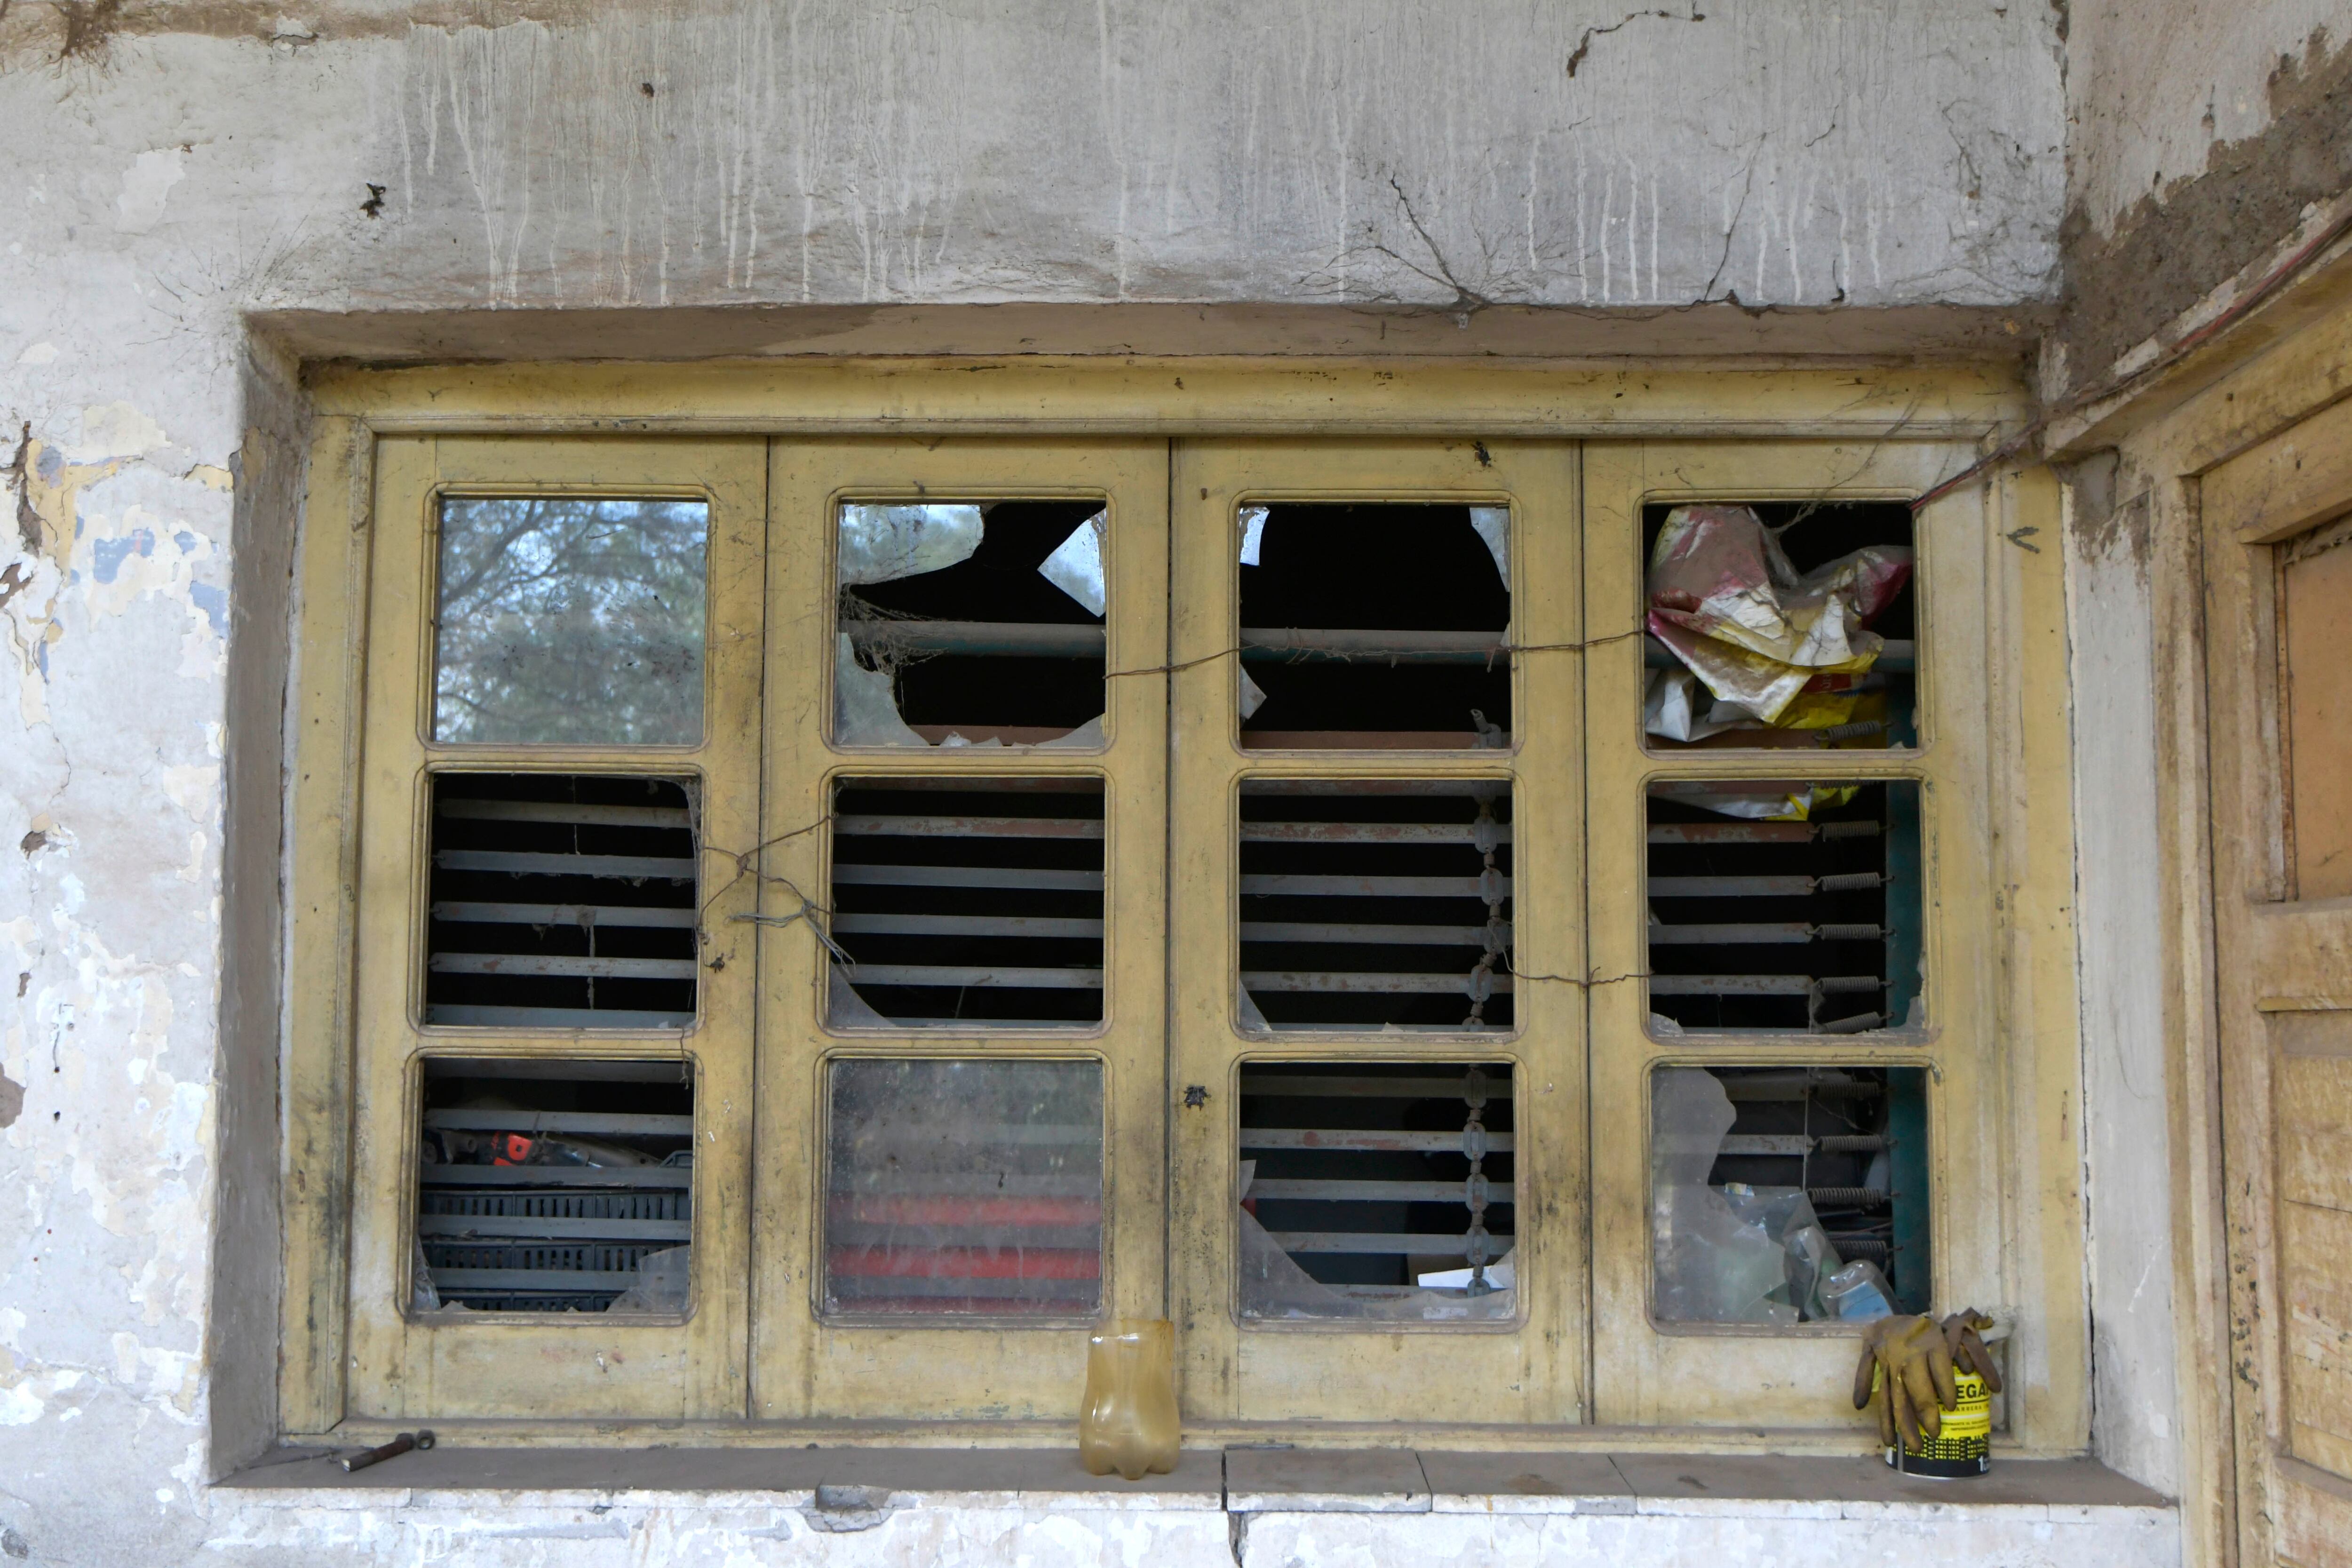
1779	905
1375	903
1374	624
1780	625
1376	1191
1782	1195
971	623
551	1186
966	903
571	620
562	900
962	1186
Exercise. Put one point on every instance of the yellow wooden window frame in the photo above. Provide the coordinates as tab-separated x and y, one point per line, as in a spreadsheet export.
1175	448
494	1363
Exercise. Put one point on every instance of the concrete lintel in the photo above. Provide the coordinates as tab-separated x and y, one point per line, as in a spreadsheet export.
1701	332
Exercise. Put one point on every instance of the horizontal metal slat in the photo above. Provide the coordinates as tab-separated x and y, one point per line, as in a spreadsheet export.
1362	983
1027	978
611	1123
1378	1242
1732	887
1036	639
479	1015
1303	1190
1752	1144
1497	1087
1044	928
1391	935
666	817
1731	986
880	875
665	1177
460	913
672	868
1731	833
1759	934
1758	832
865	825
528	1227
1284	885
1370	831
559	965
1319	644
978	1137
1372	1139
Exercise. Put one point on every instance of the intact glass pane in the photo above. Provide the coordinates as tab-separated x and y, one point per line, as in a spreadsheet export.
567	619
959	1186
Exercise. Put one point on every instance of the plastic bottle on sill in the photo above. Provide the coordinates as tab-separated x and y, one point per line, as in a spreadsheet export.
1128	1423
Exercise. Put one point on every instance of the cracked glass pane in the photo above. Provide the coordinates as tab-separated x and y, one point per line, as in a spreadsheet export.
1788	1194
1377	1190
970	623
570	620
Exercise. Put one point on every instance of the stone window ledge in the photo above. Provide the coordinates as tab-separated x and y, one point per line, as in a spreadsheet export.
854	1489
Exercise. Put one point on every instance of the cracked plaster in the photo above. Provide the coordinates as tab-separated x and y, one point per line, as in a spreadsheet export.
188	165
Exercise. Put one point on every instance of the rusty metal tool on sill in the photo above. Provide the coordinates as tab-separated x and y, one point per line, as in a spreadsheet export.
420	1441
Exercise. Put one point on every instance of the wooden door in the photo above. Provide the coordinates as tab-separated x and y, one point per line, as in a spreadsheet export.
2279	684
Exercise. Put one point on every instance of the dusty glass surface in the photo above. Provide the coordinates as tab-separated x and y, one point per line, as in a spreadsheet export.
964	1186
569	619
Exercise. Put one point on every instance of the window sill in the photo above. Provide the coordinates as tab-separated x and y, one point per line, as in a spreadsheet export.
836	1489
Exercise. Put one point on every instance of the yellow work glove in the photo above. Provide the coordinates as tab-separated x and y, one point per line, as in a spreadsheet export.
1909	1357
1969	1352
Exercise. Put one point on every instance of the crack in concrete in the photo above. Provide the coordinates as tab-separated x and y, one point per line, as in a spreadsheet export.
1584	44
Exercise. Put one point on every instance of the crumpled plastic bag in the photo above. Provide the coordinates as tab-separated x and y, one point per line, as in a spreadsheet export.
1713	1264
1760	635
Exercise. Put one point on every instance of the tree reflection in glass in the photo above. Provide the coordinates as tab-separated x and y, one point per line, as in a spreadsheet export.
566	619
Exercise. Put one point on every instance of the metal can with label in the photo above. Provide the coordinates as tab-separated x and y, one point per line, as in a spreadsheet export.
1964	1447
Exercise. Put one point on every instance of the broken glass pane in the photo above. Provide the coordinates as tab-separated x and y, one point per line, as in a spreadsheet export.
1377	1190
1375	626
1765	1182
970	623
548	1185
570	620
961	1186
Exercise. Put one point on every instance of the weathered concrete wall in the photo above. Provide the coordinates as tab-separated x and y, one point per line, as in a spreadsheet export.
174	167
2120	912
2201	134
2201	131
